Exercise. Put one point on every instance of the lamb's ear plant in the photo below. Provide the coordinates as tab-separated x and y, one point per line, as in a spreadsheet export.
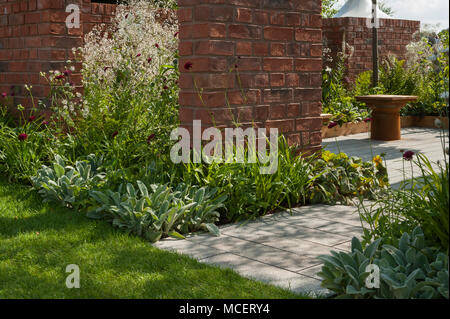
158	211
407	270
68	185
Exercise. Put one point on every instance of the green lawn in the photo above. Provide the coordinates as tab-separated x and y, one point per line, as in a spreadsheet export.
38	241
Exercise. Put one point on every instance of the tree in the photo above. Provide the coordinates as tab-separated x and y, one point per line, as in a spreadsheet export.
385	8
329	8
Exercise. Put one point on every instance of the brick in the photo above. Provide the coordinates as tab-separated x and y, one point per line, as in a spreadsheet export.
211	47
308	35
243	15
244	48
278	64
240	31
308	64
278	33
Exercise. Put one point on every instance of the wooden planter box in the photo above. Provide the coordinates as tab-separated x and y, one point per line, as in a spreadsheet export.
423	121
345	129
362	127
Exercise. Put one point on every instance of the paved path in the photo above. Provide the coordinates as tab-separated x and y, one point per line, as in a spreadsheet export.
282	249
423	140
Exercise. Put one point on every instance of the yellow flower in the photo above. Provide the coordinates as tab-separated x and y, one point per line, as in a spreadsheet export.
354	165
328	156
377	160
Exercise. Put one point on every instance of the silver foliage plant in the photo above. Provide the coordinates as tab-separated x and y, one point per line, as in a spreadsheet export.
407	270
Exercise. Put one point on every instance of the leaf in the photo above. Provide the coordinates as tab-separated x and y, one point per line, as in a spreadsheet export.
142	188
356	244
59	170
213	229
176	234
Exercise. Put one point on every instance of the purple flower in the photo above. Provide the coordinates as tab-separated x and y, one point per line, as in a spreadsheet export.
150	138
188	65
408	155
332	124
367	120
22	137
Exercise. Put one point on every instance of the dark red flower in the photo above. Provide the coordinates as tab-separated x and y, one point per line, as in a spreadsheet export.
176	34
188	65
31	118
106	68
138	55
150	138
67	72
332	124
4	94
113	135
408	155
236	66
165	87
367	120
59	77
126	16
157	45
149	60
44	122
22	137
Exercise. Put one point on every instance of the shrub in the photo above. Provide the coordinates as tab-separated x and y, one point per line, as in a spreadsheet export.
160	211
67	185
423	201
407	270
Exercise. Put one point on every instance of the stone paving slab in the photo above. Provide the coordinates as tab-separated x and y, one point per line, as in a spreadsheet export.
268	273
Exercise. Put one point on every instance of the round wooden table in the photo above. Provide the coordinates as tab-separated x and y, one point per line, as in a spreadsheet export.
385	125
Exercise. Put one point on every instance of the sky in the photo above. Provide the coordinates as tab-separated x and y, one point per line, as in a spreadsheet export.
429	12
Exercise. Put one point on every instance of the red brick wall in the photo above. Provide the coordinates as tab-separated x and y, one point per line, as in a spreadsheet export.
393	36
269	49
34	38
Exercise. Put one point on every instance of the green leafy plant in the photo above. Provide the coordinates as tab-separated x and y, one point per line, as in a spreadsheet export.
408	270
160	211
422	201
340	178
67	185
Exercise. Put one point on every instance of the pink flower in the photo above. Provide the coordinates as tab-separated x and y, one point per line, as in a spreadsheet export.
22	137
31	118
408	155
188	65
332	124
4	94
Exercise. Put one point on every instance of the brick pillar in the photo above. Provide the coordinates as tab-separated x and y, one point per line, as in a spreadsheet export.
393	37
34	38
269	50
